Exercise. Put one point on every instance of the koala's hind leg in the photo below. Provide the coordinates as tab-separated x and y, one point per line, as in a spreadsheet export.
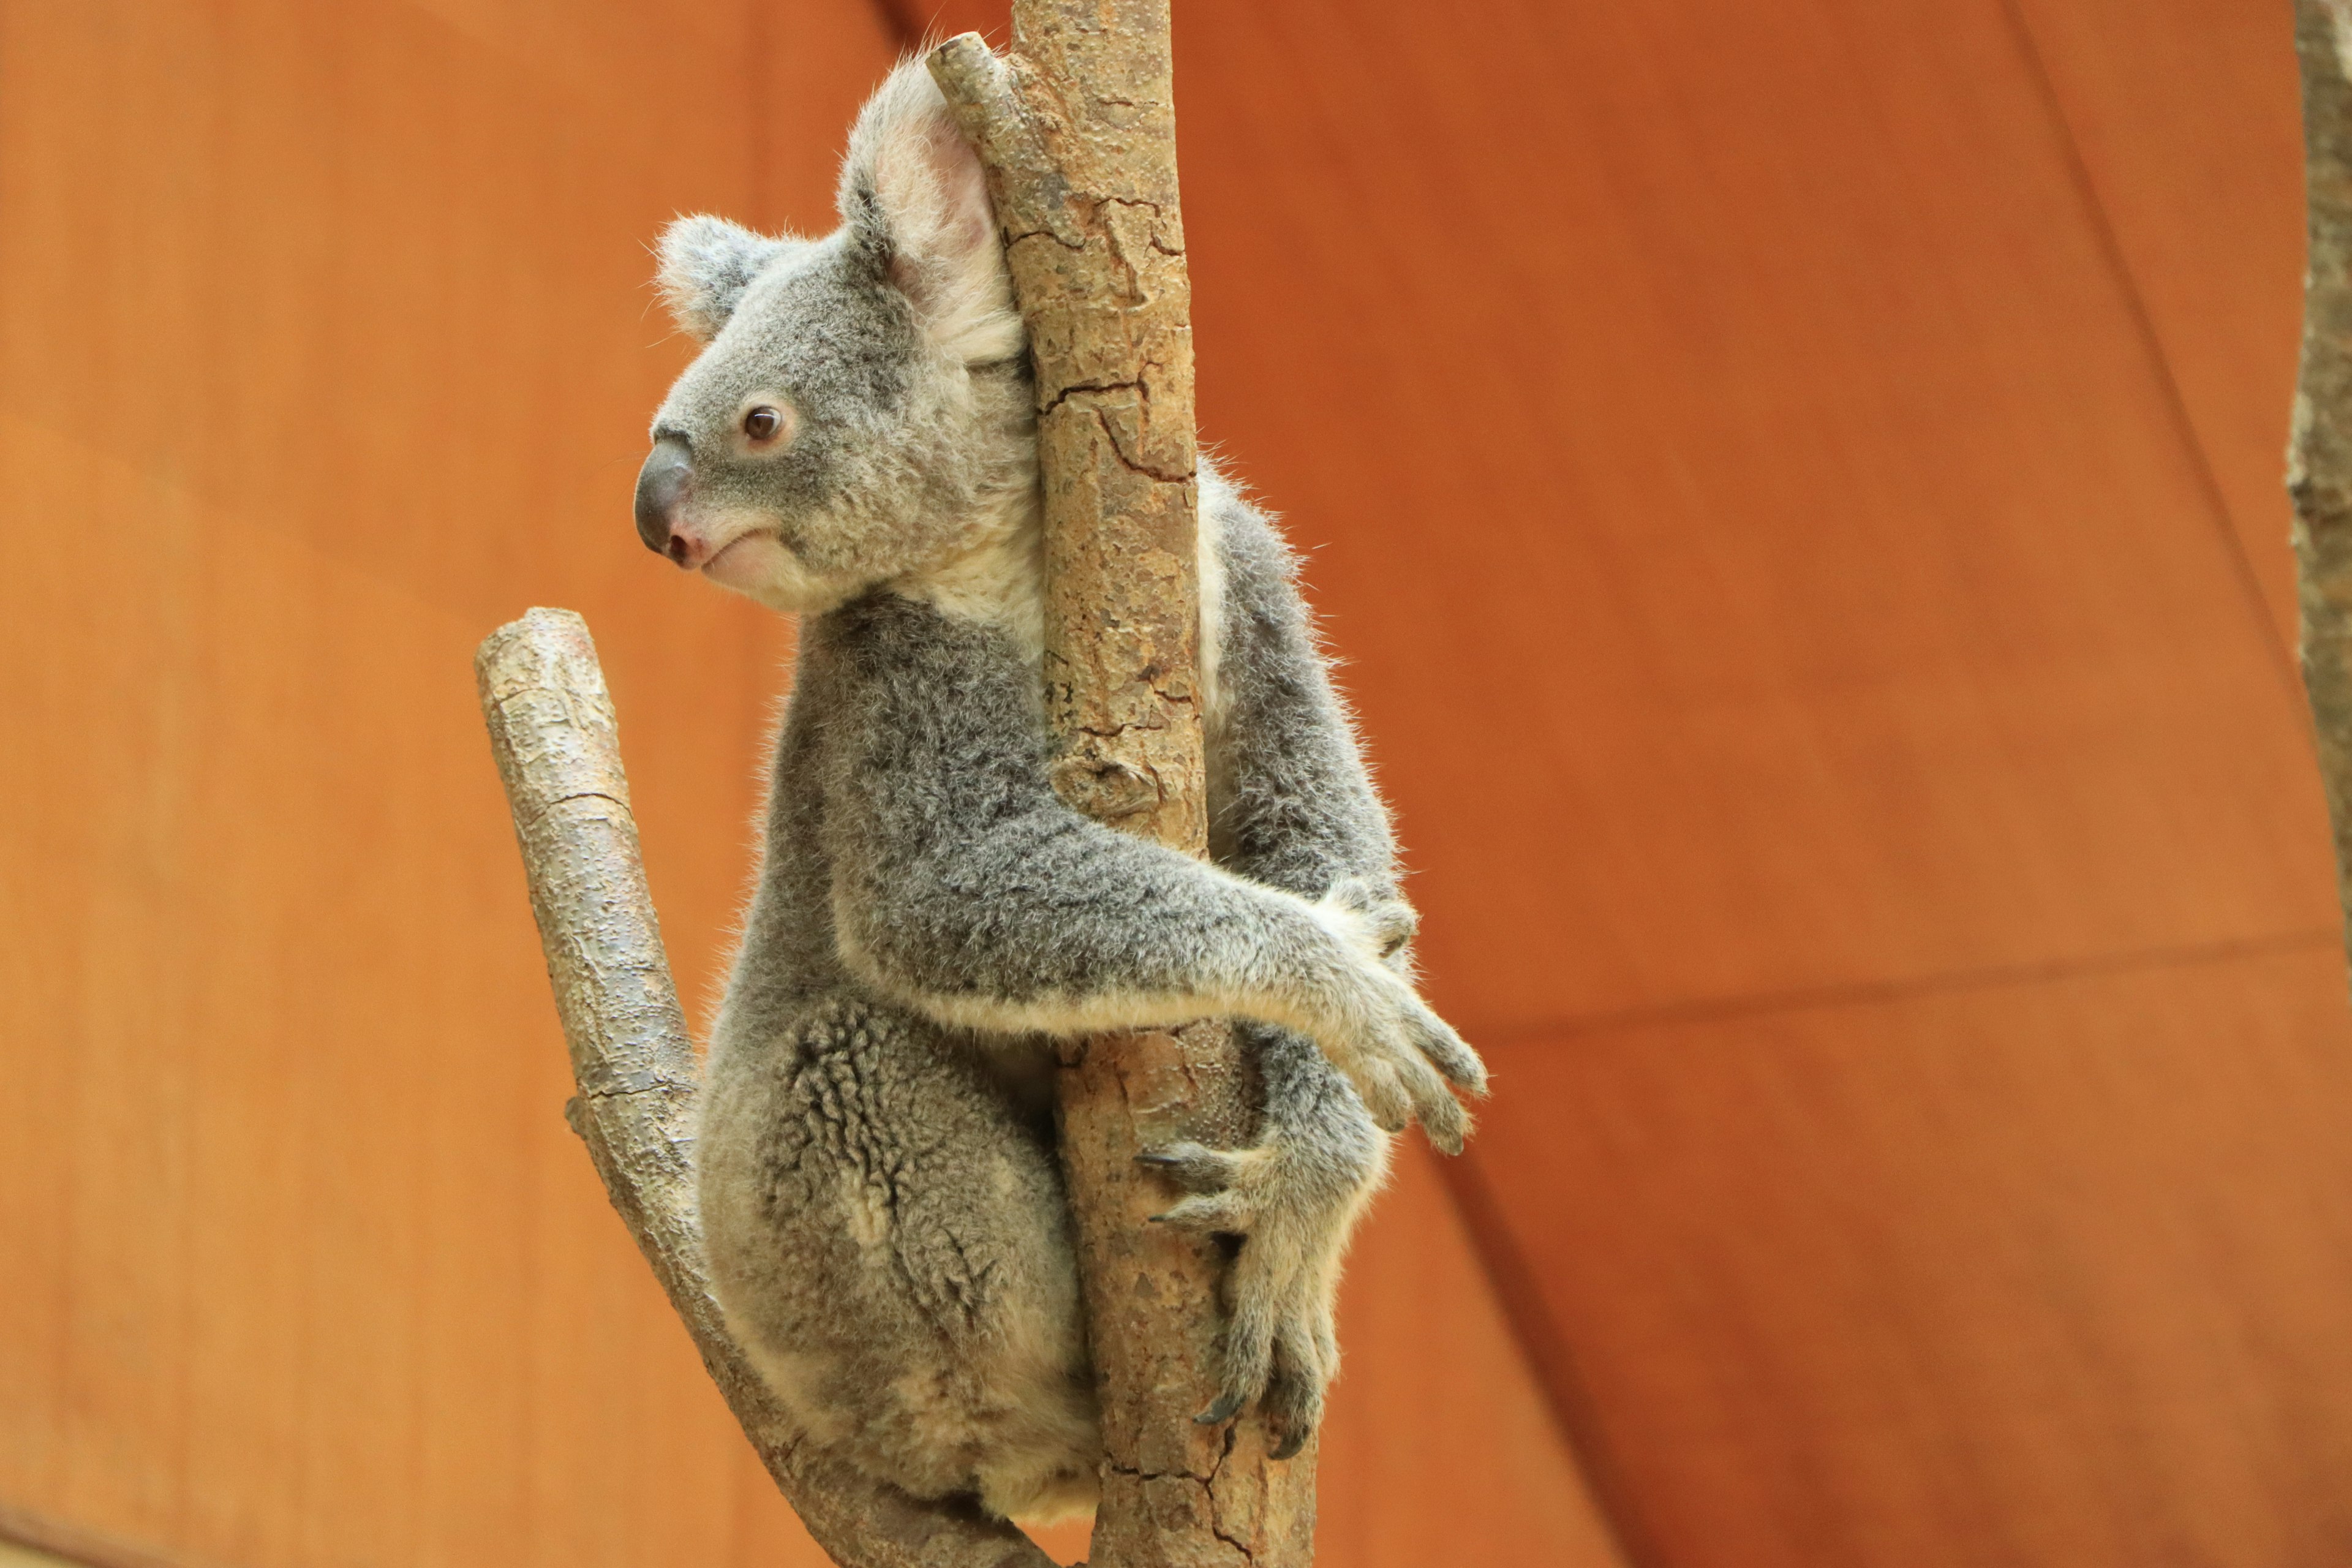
1294	1199
887	1236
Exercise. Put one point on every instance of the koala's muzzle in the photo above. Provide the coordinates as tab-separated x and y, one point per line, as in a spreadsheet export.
662	488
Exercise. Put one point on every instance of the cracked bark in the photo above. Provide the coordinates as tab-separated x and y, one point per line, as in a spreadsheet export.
1076	125
557	743
2319	454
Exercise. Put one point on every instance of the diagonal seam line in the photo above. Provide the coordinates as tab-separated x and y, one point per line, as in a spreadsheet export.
1528	1311
1560	1381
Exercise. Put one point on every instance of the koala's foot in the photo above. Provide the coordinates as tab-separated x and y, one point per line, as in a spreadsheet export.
1399	1054
1292	1209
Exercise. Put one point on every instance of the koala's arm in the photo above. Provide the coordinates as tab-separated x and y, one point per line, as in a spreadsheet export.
1291	803
964	888
1292	806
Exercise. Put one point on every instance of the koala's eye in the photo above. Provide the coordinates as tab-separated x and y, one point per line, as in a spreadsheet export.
764	423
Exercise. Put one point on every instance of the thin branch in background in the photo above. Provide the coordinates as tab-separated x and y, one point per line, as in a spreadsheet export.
2319	455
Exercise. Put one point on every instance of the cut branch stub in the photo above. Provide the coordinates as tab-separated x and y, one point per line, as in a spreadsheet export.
1076	128
557	743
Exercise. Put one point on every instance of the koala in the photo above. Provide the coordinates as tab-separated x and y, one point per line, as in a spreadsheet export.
886	1229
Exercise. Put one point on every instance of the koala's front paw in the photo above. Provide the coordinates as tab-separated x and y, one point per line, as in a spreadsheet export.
1398	1054
1280	1350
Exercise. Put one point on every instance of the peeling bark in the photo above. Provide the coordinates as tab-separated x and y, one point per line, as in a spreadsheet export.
558	747
2319	454
1076	126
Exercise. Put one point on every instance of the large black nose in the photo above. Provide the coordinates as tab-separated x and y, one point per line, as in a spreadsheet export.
662	484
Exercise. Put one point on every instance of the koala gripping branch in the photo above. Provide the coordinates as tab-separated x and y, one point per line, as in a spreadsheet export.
1076	126
558	749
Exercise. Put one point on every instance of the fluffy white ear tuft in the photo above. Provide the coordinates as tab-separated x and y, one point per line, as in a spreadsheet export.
705	264
912	187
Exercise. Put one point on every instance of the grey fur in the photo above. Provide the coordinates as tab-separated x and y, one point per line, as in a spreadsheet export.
884	1212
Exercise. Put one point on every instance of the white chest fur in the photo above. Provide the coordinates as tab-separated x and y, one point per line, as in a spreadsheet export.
1002	581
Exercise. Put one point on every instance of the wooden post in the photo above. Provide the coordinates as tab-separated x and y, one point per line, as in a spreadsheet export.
558	747
1076	128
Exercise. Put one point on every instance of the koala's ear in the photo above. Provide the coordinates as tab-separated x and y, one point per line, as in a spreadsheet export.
705	264
912	190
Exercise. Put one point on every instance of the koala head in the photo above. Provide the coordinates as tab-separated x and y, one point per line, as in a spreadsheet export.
860	410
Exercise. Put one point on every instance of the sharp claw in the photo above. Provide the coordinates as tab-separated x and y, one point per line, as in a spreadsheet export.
1197	1170
1227	1406
1207	1218
1290	1444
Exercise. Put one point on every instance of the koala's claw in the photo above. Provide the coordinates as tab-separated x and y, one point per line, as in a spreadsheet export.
1293	1403
1220	1204
1228	1406
1192	1166
1413	1083
1279	1349
1403	1060
1449	1053
1216	1215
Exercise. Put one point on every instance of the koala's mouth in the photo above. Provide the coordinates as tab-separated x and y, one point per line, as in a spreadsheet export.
759	564
747	562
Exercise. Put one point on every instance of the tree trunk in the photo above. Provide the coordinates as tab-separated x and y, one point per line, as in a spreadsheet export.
1077	127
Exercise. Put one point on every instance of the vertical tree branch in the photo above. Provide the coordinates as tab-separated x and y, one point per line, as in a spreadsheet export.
2319	455
553	731
1076	128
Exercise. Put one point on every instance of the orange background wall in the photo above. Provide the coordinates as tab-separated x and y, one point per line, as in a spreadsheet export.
1796	489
